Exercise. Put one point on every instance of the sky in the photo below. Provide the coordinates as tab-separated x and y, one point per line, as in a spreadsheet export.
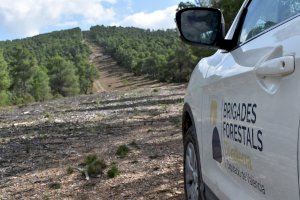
25	18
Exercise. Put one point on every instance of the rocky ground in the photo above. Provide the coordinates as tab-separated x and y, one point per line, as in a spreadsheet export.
41	141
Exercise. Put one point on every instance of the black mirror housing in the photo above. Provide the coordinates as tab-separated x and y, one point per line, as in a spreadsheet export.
202	27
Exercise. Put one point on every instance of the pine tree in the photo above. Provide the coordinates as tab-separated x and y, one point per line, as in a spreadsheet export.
183	5
87	73
63	79
22	68
29	81
40	88
4	81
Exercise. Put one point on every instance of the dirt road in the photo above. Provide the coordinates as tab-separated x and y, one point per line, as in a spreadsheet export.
113	77
39	142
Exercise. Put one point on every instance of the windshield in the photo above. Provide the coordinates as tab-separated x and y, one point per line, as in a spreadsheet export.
262	15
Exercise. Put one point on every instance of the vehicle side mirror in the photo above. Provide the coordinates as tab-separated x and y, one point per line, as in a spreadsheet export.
201	26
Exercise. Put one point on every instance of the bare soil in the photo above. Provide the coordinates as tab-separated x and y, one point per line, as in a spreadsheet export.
39	142
113	77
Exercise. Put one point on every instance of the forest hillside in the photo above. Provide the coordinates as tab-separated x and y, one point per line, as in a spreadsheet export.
45	67
56	64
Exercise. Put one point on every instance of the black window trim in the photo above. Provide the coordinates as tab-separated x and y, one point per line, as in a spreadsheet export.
241	22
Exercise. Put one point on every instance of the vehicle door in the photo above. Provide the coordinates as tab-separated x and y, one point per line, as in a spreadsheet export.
251	107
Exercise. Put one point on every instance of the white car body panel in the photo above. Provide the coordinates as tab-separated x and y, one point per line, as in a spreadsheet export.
231	77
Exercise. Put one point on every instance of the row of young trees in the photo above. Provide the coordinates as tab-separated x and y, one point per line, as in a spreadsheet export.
159	54
45	67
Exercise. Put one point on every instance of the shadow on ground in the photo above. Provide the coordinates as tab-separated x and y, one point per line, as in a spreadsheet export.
40	141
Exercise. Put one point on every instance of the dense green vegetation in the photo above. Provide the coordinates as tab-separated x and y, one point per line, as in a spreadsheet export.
4	81
44	67
56	64
159	54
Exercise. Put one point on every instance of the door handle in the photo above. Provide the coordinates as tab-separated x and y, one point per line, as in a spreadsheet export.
277	67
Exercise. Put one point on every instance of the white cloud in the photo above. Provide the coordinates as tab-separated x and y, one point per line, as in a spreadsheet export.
160	19
22	18
67	24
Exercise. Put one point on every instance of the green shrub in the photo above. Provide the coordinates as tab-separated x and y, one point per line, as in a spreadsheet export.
90	159
4	98
122	151
54	186
113	171
48	115
155	90
94	165
96	168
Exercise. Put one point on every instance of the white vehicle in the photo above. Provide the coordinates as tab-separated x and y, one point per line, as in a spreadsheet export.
242	107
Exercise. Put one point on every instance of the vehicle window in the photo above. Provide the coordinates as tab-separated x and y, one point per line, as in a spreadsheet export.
263	14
